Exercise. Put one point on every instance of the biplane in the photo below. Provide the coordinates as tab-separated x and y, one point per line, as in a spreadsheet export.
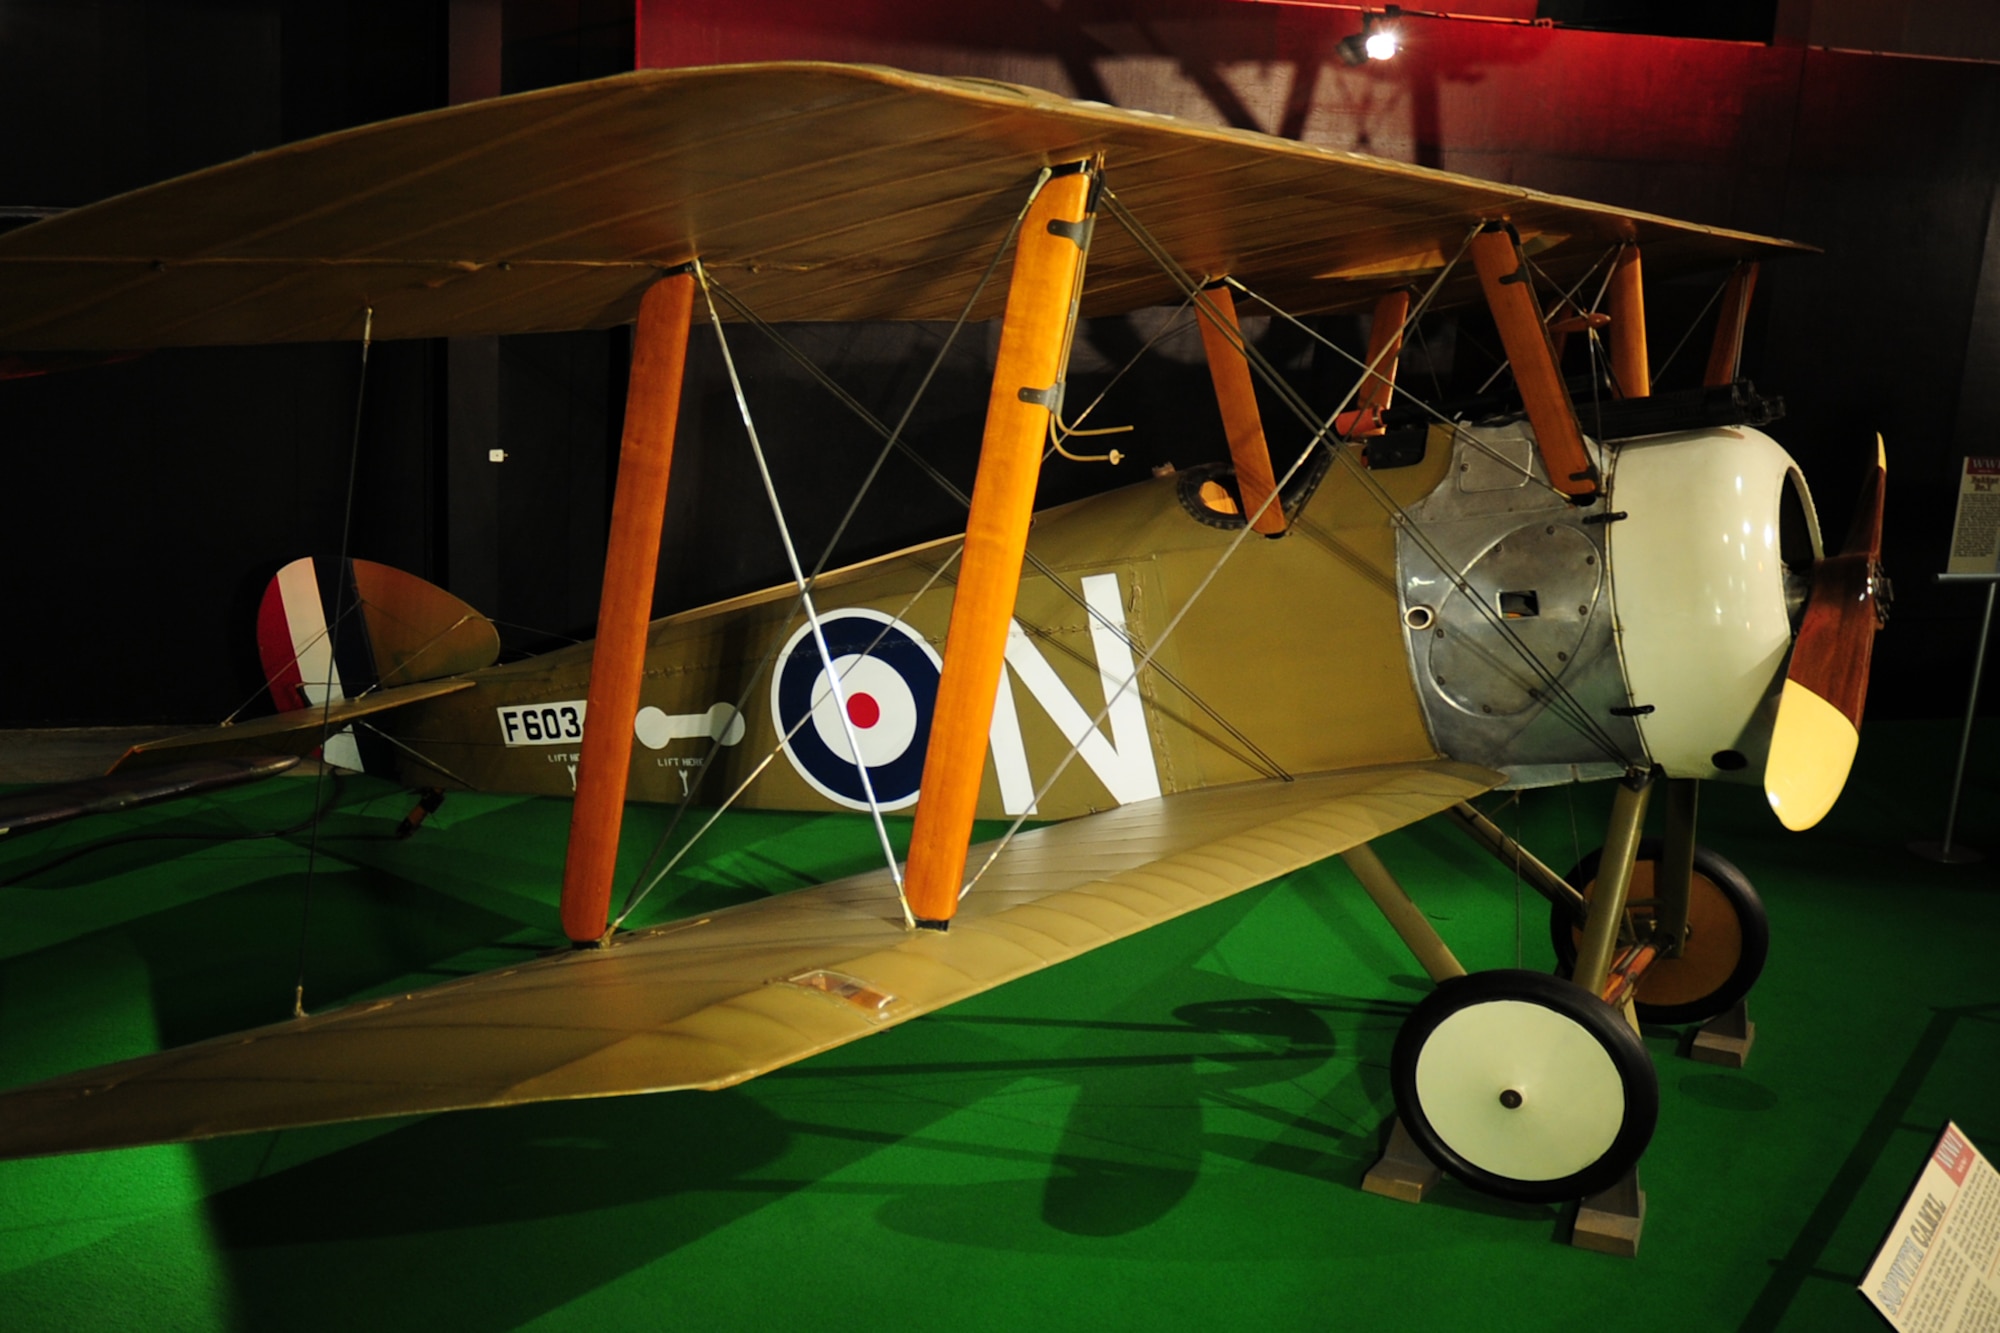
1201	681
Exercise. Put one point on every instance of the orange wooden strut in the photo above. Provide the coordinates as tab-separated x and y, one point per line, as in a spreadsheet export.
639	506
1725	353
1048	270
1241	421
1385	348
1628	327
1503	274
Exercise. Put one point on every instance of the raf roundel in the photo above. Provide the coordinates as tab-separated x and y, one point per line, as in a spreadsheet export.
889	679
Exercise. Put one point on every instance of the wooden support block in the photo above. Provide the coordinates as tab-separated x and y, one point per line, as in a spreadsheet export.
1610	1221
1725	1039
1402	1172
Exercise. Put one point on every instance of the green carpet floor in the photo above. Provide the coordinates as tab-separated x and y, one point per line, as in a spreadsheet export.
1168	1133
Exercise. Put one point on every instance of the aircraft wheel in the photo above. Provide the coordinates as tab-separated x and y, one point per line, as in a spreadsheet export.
1525	1086
1728	937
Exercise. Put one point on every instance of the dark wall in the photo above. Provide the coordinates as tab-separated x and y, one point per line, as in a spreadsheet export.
149	500
1893	170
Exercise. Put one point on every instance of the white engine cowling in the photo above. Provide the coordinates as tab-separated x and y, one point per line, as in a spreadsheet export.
1709	567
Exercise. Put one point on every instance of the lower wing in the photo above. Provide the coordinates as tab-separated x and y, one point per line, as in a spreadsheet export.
715	1000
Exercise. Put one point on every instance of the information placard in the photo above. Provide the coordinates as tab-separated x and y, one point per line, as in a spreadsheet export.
1936	1272
1975	532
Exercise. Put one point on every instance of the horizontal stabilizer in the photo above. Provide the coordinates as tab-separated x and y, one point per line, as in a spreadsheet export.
295	733
57	802
712	1001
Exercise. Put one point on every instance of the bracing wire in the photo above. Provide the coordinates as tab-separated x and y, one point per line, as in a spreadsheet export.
1557	696
332	656
417	756
1560	701
1258	757
757	770
1693	324
1058	432
1526	473
1147	242
805	597
893	441
1520	830
1566	298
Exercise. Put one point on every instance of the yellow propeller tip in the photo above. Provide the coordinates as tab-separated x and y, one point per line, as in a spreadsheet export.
1812	749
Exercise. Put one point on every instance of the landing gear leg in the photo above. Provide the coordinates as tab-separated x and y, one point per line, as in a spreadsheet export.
1702	916
1526	1086
1614	880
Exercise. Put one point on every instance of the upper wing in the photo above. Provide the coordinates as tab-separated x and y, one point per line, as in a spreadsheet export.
710	1002
817	191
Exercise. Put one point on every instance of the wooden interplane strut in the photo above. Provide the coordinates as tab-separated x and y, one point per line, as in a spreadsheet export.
639	507
1629	364
1027	376
1503	276
1725	352
1385	349
1236	396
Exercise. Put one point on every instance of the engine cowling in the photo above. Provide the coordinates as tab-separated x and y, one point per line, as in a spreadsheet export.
1710	565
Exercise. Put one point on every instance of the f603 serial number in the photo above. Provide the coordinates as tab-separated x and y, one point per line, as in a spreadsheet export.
542	724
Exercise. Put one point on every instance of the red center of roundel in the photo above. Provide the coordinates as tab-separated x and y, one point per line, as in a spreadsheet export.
863	711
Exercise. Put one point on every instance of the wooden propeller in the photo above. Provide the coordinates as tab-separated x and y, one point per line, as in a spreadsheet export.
1819	714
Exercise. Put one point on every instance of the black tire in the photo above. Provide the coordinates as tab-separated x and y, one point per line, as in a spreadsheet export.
1584	1095
1729	937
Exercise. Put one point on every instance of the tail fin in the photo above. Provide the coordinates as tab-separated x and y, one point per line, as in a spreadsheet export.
398	630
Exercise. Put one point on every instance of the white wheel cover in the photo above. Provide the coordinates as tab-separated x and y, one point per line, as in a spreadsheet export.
1572	1099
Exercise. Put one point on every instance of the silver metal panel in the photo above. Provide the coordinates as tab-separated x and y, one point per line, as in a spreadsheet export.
1508	574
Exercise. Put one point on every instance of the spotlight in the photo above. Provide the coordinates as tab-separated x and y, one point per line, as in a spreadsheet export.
1377	40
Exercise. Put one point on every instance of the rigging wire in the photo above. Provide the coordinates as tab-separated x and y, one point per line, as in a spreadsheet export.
332	655
297	652
965	312
1520	828
1257	756
893	441
1559	700
1430	364
416	754
1527	474
806	598
1146	241
1058	432
681	852
1566	298
1693	324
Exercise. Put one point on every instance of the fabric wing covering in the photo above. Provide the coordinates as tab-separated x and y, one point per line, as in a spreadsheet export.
712	1001
815	191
